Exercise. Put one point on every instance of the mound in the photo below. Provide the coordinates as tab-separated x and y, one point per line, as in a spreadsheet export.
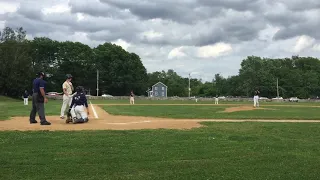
242	108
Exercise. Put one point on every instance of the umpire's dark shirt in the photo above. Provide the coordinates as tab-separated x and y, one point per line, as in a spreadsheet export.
37	84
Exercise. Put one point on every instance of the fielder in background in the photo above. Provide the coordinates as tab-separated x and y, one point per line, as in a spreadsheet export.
216	100
67	95
131	97
38	100
77	113
256	98
25	97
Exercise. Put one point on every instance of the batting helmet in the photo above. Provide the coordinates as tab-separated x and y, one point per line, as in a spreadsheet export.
69	76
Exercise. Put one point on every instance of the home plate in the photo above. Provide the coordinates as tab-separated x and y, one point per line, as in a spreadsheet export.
130	122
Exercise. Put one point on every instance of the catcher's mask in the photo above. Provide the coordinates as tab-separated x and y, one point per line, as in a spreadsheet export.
79	89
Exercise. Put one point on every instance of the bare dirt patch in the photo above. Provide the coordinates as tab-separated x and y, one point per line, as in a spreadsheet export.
243	108
106	121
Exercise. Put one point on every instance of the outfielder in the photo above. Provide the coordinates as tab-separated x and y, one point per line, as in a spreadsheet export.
131	98
256	98
77	113
216	100
67	95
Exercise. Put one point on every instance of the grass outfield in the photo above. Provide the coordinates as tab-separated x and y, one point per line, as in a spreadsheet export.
215	112
218	151
221	102
10	107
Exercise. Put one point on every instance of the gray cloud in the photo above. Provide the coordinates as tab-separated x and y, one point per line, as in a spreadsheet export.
97	9
183	11
243	5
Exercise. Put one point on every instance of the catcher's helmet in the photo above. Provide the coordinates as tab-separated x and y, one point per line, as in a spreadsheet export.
69	76
79	89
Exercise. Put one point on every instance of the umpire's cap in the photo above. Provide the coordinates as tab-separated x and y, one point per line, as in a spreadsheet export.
41	73
69	76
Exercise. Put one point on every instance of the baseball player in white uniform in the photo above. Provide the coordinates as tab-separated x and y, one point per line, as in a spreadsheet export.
216	100
67	95
131	98
256	98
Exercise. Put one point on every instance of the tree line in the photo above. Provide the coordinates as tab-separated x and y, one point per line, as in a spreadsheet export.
121	71
20	59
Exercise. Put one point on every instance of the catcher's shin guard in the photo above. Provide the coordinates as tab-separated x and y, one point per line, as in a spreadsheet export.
76	120
69	118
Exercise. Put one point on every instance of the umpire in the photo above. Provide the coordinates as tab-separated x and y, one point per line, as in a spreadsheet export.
38	100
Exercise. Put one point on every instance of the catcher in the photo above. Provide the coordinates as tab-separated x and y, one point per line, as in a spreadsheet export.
77	113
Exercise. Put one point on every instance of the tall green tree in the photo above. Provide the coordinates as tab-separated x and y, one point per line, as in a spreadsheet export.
15	62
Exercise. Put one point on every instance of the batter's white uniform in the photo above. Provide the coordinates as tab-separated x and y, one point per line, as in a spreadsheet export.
66	102
79	112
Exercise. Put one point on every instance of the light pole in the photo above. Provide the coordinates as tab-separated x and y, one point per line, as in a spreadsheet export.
97	82
189	85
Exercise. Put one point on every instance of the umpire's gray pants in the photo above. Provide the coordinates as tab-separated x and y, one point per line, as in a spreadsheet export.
37	106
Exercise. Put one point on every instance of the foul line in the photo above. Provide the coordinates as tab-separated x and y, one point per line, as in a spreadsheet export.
94	111
130	122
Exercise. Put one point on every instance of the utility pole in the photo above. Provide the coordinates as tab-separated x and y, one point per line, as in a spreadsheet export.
277	88
97	82
189	85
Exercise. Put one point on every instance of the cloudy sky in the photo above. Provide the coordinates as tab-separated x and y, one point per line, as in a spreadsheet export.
202	37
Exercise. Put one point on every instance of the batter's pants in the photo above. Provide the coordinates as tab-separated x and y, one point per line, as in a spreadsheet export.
65	104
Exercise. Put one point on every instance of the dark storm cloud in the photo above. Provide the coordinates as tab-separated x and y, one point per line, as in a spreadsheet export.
310	29
96	8
299	5
178	10
243	5
32	26
285	19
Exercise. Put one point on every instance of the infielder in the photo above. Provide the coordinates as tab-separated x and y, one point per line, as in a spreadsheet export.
131	98
25	97
216	100
67	95
77	113
256	98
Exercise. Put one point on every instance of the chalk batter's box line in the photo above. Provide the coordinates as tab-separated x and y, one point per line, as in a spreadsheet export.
94	111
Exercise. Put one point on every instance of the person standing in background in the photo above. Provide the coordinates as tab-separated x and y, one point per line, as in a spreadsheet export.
131	97
216	100
256	98
38	100
67	95
25	97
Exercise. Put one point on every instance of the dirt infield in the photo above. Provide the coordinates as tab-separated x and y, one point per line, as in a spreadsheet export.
105	121
243	108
